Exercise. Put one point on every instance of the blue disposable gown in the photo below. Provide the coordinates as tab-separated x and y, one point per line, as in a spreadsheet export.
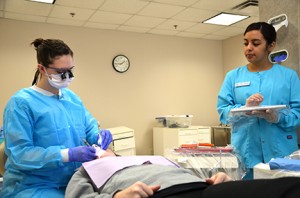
255	139
36	128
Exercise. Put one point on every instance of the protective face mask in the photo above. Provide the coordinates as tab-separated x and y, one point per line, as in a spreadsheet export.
56	81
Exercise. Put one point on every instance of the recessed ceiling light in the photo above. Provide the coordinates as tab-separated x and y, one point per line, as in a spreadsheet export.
44	1
225	19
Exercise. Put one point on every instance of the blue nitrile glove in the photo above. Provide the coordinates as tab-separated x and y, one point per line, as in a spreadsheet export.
104	138
82	154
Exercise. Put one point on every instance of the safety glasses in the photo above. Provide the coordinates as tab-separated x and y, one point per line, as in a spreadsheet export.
63	71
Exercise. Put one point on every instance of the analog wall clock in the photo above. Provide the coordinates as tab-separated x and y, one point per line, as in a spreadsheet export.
121	63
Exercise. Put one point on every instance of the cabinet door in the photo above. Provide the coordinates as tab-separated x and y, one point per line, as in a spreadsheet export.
194	136
124	144
126	152
204	135
188	136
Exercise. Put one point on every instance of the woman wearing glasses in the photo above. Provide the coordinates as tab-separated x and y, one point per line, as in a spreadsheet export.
44	127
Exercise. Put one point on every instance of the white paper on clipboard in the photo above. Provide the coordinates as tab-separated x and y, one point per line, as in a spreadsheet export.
258	108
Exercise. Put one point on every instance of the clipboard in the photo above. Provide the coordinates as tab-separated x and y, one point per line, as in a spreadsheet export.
258	108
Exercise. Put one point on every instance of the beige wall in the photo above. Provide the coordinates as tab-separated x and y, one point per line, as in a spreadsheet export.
233	55
168	75
287	38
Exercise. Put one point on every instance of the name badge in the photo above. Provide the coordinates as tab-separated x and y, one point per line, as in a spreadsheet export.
242	84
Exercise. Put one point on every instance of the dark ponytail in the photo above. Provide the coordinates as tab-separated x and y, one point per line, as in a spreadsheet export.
46	51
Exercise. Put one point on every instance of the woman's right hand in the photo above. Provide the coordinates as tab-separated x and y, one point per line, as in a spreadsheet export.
220	177
254	100
137	190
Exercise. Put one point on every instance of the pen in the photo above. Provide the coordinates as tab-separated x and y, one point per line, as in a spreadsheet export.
85	142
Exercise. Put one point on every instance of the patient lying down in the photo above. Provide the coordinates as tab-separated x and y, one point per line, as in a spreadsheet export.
122	177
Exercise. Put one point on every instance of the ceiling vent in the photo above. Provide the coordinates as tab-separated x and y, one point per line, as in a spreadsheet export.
246	4
249	7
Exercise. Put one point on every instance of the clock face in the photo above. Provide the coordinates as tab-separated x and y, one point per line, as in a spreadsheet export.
121	63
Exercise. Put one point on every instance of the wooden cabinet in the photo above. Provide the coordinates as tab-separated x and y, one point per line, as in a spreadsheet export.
123	141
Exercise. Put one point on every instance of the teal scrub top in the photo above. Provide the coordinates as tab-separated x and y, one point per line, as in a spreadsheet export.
36	127
255	139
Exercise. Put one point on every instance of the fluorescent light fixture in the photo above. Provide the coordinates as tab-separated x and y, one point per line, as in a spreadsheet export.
44	1
225	19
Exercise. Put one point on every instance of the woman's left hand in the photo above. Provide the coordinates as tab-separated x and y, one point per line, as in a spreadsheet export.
104	139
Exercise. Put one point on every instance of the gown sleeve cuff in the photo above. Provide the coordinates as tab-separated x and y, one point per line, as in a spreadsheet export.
65	155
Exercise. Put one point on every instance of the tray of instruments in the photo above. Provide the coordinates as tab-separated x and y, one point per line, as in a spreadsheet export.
203	149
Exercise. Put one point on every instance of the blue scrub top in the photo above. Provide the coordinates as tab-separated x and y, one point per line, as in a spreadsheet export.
36	128
255	139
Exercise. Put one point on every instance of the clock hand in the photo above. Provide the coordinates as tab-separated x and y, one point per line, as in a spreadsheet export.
120	63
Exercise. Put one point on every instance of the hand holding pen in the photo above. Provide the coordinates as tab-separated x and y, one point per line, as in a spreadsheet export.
82	153
99	151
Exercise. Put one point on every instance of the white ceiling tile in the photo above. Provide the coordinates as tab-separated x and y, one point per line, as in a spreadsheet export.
90	4
246	22
64	22
100	26
190	34
250	10
65	13
214	37
133	29
142	21
229	31
24	17
160	10
143	16
121	6
177	2
176	24
217	5
162	32
204	28
27	7
109	17
194	15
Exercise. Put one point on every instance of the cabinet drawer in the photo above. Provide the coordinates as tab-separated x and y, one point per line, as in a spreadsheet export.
126	152
123	135
204	130
124	143
204	138
188	132
192	139
188	139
